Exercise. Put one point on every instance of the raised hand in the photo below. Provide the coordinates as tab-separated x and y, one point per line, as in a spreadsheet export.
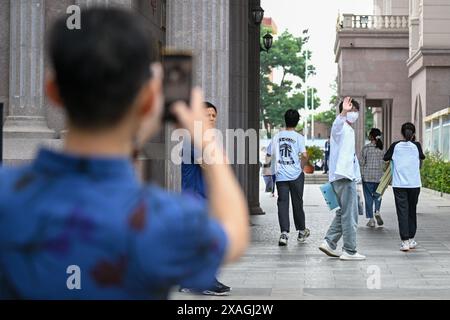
347	104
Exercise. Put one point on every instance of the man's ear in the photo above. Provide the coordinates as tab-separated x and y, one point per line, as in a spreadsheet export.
52	90
146	101
152	97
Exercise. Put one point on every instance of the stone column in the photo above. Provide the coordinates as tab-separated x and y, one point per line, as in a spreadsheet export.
360	130
26	114
377	117
202	26
414	27
54	9
254	108
25	128
4	54
387	122
239	83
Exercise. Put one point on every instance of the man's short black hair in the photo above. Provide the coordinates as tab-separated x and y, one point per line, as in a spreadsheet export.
210	105
291	118
101	68
354	102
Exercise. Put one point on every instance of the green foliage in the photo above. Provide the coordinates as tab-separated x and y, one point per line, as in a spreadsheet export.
314	153
369	120
288	56
326	117
436	173
334	100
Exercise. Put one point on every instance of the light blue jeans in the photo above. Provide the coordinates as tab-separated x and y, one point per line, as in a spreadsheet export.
345	223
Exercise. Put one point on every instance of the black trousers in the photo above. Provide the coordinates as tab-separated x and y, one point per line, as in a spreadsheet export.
325	167
295	188
406	204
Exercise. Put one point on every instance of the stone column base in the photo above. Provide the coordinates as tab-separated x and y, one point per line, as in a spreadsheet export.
23	136
22	127
256	210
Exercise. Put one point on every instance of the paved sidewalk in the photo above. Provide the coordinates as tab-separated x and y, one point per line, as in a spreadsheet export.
301	271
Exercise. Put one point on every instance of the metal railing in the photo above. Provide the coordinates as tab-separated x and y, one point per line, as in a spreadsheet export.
351	21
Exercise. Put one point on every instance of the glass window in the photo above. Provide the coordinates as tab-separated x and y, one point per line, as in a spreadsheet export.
427	138
436	136
446	137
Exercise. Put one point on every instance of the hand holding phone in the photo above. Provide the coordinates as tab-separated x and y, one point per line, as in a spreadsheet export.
178	67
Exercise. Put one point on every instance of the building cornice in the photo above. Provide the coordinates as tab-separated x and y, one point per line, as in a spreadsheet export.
428	57
370	39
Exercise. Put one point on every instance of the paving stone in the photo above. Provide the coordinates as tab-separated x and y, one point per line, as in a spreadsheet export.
303	272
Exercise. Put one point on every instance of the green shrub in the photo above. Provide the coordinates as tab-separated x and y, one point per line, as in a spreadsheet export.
436	173
314	153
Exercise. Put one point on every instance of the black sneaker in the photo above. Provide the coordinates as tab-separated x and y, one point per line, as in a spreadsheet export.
283	240
219	289
380	221
302	235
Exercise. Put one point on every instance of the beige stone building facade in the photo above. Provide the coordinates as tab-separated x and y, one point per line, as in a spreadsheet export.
222	34
397	61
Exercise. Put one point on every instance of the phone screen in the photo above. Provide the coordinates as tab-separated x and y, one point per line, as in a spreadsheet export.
177	80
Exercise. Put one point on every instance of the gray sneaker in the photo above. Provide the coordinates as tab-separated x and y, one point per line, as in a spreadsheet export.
371	223
302	235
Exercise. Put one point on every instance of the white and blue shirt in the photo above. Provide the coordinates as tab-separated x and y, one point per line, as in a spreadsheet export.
285	149
406	157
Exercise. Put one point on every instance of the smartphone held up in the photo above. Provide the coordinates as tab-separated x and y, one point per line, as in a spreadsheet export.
178	68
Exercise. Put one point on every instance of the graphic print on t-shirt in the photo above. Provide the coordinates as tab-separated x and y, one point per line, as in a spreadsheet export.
286	151
287	146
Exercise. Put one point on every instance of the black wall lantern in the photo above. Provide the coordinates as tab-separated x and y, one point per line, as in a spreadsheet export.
258	15
267	41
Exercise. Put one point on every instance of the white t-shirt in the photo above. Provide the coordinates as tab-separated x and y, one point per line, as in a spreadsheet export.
405	156
286	147
343	163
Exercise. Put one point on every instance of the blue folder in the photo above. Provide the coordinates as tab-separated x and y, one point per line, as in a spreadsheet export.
330	196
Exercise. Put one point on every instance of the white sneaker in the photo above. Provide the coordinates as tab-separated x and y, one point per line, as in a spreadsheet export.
325	248
349	257
283	240
405	246
412	244
371	223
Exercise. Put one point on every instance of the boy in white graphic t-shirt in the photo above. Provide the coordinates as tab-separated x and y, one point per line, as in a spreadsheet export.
286	148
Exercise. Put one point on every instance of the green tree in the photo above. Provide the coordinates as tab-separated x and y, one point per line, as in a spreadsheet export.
334	100
326	117
287	55
369	120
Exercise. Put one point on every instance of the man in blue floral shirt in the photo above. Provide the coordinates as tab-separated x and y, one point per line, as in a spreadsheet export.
77	223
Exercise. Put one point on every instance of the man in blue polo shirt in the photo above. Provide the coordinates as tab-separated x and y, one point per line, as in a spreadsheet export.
77	223
193	182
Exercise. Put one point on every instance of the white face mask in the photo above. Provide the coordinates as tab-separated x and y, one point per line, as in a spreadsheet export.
352	117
